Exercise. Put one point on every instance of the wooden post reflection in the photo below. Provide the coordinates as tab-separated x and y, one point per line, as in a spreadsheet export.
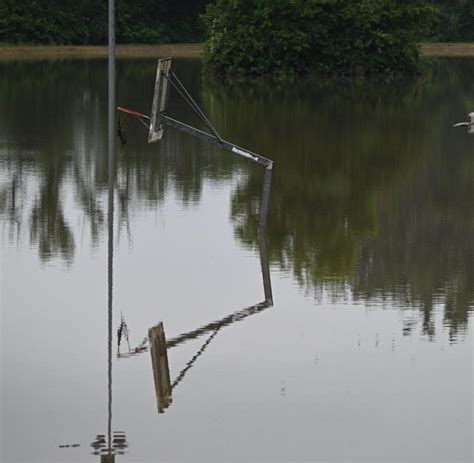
107	458
156	335
161	372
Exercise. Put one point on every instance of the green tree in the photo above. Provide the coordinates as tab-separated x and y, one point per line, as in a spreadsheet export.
466	22
3	20
456	21
261	37
85	22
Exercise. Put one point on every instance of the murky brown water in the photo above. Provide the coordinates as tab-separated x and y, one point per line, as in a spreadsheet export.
365	353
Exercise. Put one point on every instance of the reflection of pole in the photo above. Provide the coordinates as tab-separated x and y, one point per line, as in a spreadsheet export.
228	320
156	335
111	152
109	446
267	182
158	345
267	285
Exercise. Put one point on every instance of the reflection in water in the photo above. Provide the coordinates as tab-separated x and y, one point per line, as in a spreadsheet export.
107	452
372	199
161	370
158	343
374	204
115	442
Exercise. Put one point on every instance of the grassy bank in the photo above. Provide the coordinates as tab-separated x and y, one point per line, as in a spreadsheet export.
182	50
447	49
193	50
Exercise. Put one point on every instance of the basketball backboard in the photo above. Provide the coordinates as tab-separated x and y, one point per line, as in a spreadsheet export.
160	99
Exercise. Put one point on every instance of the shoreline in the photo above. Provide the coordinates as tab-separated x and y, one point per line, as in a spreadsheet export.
182	50
21	52
448	49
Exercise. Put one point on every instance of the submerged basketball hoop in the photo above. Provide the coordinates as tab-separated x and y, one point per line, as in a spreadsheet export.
166	78
469	124
160	100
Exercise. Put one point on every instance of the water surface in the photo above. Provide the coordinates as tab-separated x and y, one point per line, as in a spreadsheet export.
363	350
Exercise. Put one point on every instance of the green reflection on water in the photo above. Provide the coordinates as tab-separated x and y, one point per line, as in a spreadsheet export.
372	187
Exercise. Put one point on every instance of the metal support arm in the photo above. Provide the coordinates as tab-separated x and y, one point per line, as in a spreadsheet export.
215	141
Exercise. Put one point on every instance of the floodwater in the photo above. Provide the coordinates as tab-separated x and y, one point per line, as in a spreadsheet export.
167	331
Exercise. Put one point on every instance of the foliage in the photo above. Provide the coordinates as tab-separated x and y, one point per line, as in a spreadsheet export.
3	18
160	21
85	22
261	37
359	198
367	192
456	21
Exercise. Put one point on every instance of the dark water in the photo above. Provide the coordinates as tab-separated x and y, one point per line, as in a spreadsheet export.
365	353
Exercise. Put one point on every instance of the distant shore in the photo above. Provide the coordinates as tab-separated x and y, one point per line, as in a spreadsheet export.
182	50
448	49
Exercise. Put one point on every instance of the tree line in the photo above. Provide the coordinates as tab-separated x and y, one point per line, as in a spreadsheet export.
84	22
165	21
455	22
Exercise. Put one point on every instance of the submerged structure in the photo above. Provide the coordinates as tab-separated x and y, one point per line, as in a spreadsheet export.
156	342
469	124
156	123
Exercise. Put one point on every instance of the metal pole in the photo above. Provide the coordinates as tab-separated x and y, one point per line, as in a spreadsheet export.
112	105
110	217
207	137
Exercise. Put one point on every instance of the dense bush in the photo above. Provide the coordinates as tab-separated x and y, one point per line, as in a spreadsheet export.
368	37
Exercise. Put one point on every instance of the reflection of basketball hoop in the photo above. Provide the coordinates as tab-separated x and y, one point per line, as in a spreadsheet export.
166	78
158	345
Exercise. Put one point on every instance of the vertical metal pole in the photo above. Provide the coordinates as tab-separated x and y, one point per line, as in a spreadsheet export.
112	109
110	216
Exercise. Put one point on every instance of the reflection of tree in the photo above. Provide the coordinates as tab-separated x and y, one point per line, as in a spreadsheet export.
430	244
370	191
10	202
325	193
48	227
375	196
55	123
